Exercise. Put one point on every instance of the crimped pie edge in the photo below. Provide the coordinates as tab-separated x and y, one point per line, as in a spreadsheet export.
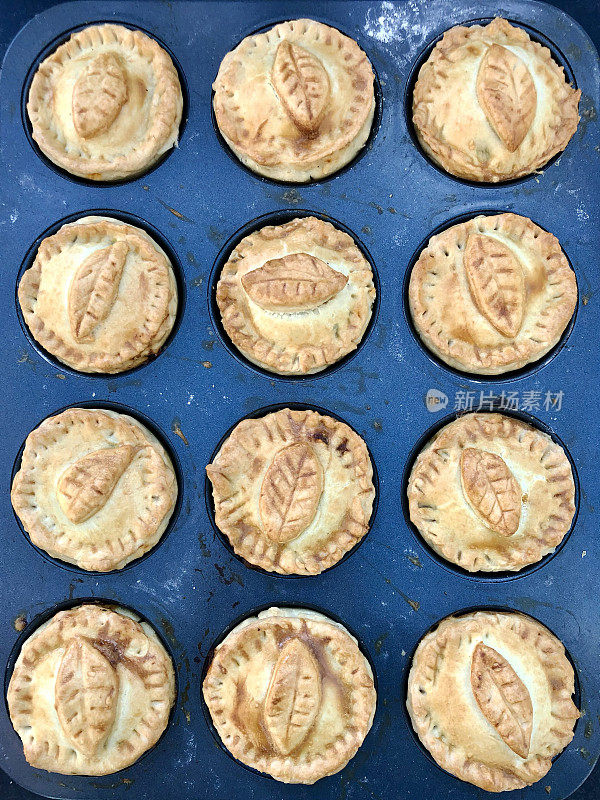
167	104
107	559
262	351
344	541
161	318
365	694
425	662
449	157
127	623
533	547
469	358
335	153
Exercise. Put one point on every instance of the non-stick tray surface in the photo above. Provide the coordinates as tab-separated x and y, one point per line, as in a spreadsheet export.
198	201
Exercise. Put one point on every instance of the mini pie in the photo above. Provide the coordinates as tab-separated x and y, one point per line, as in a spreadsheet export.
297	297
106	104
101	295
490	104
291	694
492	294
491	493
296	102
293	491
91	691
489	695
95	488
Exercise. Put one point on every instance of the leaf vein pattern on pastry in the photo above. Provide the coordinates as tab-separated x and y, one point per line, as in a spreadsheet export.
302	85
290	492
491	490
86	696
507	95
85	487
293	697
496	283
502	698
295	282
99	94
94	288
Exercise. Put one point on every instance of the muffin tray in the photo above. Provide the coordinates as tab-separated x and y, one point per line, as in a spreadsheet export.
198	202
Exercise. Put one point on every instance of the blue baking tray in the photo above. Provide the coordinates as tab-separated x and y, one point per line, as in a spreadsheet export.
198	201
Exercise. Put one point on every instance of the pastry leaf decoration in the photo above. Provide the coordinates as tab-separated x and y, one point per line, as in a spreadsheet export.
507	95
491	490
85	696
290	492
98	95
85	487
296	282
293	697
496	283
302	85
503	698
94	289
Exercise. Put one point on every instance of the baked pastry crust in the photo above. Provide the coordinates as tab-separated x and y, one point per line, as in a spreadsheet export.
295	103
91	691
485	685
95	488
492	294
491	493
511	110
106	104
297	297
101	295
293	491
291	694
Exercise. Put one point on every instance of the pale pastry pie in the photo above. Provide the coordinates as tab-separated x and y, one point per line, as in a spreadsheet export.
297	297
91	691
95	488
291	694
296	102
106	104
489	695
293	491
490	104
101	295
491	493
492	294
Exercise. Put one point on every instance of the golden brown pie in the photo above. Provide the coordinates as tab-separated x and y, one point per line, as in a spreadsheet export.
101	295
489	695
490	104
91	691
293	491
491	493
297	102
291	694
106	104
95	488
492	294
297	297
